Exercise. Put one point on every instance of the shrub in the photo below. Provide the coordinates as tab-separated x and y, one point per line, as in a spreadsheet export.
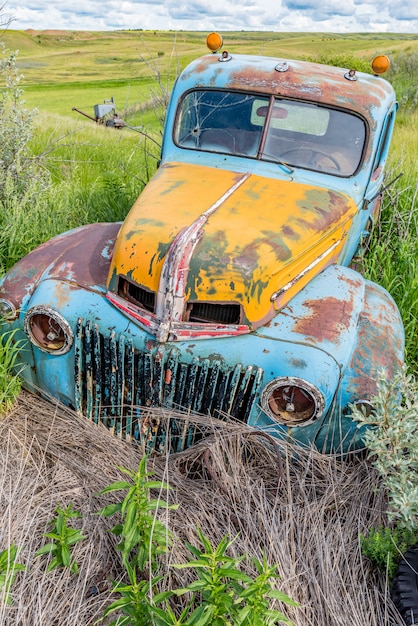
392	441
23	178
21	173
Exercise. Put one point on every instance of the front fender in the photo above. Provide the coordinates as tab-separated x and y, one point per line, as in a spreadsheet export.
81	255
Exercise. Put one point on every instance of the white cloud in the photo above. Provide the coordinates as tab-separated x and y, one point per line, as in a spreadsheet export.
288	15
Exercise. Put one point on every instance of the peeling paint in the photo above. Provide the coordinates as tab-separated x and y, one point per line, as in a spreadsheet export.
326	320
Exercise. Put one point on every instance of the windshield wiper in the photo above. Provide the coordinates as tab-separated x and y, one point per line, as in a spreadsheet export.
285	167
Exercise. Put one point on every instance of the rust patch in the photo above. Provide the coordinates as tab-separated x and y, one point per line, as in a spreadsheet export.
326	206
328	318
312	81
80	256
378	344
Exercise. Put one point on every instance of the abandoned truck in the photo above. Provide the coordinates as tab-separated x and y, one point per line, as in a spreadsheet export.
227	290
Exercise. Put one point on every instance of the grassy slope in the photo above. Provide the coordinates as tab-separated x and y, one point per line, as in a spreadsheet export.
63	69
66	69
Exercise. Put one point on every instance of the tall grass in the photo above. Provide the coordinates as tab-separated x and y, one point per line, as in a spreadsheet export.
96	174
393	257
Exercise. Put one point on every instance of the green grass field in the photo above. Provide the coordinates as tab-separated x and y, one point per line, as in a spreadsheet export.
63	69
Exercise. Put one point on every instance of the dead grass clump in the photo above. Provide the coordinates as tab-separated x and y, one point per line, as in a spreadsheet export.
305	511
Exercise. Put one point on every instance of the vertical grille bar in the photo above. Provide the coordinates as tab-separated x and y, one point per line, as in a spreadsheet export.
113	387
180	385
97	360
230	390
170	379
210	395
148	378
201	379
254	391
129	386
105	388
190	384
78	367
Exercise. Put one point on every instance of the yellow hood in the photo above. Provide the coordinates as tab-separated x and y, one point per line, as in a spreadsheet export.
242	238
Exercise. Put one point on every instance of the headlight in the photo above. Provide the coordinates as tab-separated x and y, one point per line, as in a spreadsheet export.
292	401
7	310
48	330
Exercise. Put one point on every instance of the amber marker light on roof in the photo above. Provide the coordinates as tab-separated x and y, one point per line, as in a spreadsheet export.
214	42
380	64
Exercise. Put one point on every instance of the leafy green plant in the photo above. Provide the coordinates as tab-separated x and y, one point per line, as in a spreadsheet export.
63	538
138	600
384	546
218	582
257	596
10	383
142	539
8	571
392	440
142	536
222	593
225	595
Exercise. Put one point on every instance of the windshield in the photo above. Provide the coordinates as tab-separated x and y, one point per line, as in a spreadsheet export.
294	133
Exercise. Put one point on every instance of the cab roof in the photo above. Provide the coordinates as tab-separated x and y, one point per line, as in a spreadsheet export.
366	94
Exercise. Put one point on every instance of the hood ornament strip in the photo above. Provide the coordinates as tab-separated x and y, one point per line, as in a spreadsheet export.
171	292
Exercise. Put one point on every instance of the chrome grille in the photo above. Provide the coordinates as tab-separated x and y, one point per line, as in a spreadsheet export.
114	381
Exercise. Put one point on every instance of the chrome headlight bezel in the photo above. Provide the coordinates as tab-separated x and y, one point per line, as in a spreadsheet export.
282	391
48	330
8	311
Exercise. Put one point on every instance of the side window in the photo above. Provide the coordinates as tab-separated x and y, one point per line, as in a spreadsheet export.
385	137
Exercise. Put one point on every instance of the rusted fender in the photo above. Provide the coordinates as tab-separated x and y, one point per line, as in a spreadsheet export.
80	256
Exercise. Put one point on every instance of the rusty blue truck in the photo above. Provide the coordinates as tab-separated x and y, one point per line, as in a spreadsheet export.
228	289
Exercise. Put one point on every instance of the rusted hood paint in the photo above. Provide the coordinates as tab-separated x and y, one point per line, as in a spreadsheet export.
244	238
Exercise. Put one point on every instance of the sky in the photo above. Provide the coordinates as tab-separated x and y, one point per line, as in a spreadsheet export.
337	16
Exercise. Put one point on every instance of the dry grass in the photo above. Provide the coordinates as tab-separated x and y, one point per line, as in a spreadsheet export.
304	510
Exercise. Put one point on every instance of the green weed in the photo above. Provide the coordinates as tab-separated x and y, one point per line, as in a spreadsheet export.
63	538
385	546
8	571
142	536
10	383
392	441
222	594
